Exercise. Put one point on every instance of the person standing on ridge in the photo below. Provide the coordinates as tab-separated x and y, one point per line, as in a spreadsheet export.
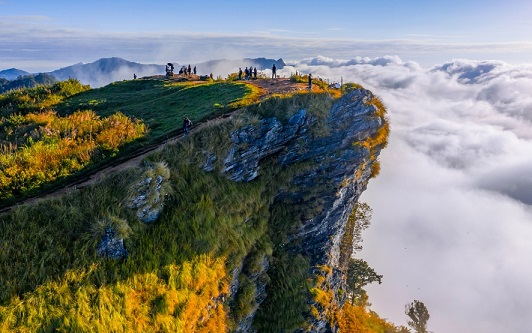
240	73
194	70
310	81
274	71
187	125
255	73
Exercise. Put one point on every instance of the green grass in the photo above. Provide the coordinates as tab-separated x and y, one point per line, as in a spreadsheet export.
288	294
59	282
73	148
176	267
160	105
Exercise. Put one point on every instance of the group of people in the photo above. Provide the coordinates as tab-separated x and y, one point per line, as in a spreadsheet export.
187	70
250	73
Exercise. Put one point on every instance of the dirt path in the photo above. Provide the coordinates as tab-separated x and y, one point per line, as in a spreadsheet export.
270	86
273	86
280	86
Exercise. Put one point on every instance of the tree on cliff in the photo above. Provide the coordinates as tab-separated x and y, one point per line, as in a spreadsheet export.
359	274
419	316
359	220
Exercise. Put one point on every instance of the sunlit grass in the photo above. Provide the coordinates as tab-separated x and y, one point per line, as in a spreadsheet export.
39	147
61	146
162	105
182	298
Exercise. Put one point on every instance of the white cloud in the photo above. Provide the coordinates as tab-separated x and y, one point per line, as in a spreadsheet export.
24	18
452	218
330	62
36	39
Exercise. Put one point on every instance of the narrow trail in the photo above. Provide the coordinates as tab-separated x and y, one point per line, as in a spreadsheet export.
270	87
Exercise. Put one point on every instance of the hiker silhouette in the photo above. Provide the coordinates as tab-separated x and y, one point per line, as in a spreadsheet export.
187	125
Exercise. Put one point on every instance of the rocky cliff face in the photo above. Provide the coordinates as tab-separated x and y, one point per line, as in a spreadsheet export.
335	173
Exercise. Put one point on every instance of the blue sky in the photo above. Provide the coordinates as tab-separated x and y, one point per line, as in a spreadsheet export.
40	35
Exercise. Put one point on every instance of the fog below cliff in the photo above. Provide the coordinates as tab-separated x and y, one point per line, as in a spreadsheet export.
452	222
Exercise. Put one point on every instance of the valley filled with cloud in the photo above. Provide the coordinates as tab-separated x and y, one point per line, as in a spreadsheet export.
452	220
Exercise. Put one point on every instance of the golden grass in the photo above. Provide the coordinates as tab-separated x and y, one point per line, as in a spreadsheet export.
60	146
186	299
357	318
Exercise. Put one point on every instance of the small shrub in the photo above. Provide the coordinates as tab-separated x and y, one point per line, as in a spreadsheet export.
245	298
375	169
348	87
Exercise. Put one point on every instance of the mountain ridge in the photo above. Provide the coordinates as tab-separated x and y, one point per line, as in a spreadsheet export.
12	73
106	70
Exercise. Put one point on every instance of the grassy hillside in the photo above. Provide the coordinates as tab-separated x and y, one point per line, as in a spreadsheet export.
49	133
179	270
161	105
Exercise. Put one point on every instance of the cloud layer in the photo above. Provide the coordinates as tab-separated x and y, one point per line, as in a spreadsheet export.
452	222
34	43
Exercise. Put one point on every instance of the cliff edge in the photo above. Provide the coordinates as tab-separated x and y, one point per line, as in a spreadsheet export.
333	163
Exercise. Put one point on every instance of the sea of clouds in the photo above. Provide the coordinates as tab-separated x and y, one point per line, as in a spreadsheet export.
452	221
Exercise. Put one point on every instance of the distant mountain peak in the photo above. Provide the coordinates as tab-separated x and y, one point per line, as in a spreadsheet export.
106	70
12	73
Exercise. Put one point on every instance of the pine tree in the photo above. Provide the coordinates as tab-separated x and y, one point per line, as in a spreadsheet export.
419	316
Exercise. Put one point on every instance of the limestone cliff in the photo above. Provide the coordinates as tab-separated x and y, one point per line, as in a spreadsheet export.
334	168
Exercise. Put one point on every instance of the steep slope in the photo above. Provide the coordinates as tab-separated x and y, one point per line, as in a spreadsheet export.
242	215
330	172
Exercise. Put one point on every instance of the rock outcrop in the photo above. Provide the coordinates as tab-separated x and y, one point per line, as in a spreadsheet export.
253	143
112	245
336	171
148	201
149	193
